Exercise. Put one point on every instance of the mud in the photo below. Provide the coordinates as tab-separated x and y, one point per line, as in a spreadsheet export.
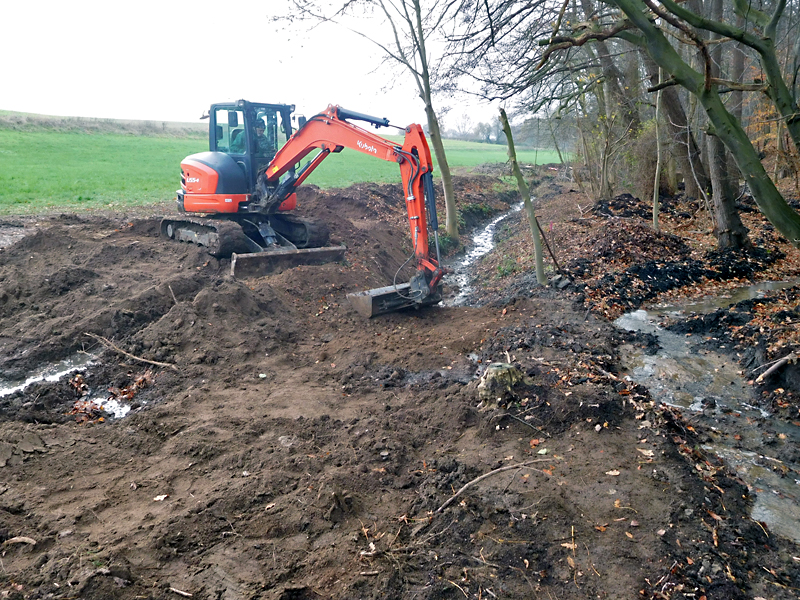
288	448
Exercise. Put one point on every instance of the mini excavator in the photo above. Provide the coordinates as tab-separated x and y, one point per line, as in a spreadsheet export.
237	199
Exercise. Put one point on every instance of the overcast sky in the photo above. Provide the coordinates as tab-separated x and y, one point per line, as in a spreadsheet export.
168	60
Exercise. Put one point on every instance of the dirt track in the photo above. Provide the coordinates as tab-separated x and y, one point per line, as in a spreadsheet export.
299	451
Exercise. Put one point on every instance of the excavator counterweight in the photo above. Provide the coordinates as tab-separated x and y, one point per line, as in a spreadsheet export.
245	187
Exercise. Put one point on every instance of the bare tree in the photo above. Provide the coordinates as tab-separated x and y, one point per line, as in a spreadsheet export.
412	26
530	50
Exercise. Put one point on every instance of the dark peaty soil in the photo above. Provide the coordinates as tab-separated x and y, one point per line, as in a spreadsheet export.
298	451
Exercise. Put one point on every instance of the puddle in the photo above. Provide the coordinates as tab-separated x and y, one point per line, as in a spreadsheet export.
482	243
709	388
50	373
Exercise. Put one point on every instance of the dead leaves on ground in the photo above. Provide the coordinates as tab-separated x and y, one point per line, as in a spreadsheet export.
88	411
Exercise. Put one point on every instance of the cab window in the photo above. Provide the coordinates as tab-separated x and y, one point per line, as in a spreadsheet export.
230	136
267	137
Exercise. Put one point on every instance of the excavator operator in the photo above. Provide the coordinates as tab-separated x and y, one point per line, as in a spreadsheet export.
264	147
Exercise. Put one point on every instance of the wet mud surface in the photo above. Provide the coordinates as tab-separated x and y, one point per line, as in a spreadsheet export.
287	448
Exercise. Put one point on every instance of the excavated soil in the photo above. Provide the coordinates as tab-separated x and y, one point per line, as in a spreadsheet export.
286	448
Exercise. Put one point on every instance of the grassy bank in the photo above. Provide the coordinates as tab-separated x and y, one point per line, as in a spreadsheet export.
71	166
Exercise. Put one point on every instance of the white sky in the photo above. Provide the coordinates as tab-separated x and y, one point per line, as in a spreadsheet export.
169	60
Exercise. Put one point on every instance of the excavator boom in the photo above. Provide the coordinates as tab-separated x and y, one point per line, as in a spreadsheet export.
328	133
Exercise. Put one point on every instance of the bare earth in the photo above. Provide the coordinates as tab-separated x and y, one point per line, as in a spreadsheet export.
298	451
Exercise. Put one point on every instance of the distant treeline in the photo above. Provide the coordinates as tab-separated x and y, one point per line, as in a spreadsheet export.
32	122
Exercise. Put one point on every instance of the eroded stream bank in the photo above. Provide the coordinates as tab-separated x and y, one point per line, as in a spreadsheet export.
710	389
708	386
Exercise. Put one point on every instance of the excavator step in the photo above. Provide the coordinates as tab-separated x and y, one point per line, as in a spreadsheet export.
258	264
391	298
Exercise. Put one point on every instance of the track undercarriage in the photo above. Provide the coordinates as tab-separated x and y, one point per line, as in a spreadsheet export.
256	244
222	237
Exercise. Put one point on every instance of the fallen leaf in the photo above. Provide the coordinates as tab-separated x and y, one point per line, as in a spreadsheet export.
569	545
629	534
646	452
161	498
570	561
689	561
600	527
613	473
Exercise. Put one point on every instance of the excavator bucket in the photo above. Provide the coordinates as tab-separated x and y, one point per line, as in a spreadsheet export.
258	264
379	301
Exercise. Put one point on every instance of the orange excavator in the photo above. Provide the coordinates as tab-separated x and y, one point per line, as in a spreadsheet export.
237	199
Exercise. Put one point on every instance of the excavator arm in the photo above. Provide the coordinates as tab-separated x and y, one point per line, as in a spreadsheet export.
330	132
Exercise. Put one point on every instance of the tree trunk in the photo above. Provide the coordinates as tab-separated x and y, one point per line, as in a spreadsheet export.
729	130
659	153
736	103
613	78
451	220
526	198
678	126
729	230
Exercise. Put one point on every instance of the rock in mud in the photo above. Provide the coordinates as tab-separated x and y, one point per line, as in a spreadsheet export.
499	382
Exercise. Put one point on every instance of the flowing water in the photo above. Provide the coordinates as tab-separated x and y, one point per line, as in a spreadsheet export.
482	244
52	372
709	388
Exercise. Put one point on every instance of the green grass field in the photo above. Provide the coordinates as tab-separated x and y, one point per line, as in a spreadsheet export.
42	170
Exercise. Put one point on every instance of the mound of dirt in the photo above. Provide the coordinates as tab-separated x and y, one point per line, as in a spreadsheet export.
279	446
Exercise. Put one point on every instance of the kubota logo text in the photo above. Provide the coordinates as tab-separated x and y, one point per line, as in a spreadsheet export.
366	147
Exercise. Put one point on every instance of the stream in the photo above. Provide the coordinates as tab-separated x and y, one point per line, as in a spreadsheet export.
482	244
709	388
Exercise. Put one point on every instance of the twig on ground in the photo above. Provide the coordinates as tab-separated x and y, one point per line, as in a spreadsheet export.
791	357
459	587
173	294
489	474
180	592
119	350
524	422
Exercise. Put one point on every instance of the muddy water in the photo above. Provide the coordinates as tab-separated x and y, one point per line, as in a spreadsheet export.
710	390
51	372
482	243
55	371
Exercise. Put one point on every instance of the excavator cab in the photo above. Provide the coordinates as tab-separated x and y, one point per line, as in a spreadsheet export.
250	133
